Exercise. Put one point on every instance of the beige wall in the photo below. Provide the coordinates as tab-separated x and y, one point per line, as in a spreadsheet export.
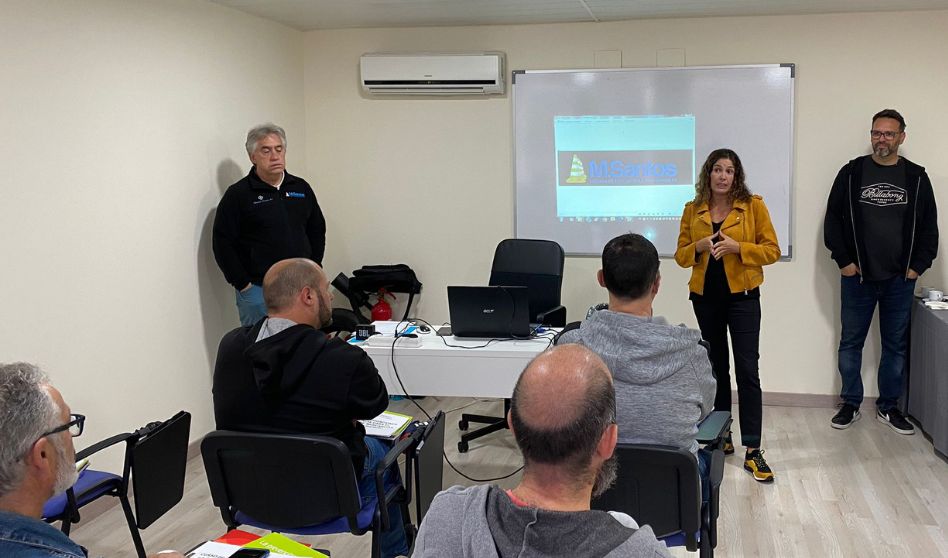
429	181
122	124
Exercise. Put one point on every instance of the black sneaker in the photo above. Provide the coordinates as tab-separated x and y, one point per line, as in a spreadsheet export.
846	416
728	445
895	420
754	462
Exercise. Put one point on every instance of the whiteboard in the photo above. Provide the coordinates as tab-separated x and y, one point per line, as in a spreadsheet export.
598	153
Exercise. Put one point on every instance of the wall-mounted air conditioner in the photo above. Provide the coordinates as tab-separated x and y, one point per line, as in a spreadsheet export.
479	73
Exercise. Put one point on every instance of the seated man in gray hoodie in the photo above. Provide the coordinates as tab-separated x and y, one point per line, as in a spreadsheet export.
664	384
563	418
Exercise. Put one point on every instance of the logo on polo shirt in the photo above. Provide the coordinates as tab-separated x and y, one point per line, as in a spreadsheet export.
295	195
883	194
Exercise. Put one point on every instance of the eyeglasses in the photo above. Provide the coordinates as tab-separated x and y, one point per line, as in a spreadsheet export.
889	135
74	426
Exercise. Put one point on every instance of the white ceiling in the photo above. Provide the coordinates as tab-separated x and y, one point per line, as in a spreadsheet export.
307	15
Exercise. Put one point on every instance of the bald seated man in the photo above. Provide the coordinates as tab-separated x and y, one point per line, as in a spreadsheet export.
563	416
284	375
37	462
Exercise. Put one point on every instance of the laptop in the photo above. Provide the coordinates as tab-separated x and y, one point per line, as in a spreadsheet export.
489	312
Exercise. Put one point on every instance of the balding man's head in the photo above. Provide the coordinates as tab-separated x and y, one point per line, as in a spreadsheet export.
295	286
562	404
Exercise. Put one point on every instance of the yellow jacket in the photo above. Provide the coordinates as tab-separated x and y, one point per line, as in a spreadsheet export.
749	224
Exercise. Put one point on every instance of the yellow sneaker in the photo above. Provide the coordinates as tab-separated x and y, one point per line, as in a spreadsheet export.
728	445
754	462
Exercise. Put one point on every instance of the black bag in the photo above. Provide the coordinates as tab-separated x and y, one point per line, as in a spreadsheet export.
396	278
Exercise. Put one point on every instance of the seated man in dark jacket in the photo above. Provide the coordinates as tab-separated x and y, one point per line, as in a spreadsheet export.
284	375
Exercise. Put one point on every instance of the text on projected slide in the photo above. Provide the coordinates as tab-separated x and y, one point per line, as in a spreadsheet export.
626	167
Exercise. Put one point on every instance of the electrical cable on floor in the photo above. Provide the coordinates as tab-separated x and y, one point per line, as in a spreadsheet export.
428	415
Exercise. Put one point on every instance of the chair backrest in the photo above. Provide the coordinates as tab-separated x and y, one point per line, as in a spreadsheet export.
535	264
157	461
282	480
429	466
657	485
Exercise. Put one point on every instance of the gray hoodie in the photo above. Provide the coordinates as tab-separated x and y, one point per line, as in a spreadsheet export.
482	522
664	384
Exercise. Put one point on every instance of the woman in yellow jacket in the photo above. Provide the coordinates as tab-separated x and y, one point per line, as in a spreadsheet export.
726	237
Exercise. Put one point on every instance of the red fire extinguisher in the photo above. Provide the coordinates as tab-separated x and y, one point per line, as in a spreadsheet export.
382	311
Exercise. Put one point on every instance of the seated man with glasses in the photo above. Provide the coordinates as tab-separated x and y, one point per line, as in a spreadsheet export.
37	461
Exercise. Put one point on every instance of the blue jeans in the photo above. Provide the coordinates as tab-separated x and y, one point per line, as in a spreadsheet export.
859	298
250	305
393	540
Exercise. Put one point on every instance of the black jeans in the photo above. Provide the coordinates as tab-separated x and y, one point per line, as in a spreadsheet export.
742	317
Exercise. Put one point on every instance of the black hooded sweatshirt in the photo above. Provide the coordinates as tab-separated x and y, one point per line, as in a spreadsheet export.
297	381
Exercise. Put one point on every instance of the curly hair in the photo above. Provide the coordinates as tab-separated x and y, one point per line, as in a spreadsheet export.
739	191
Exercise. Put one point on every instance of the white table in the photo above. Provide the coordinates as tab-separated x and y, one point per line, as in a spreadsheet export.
437	369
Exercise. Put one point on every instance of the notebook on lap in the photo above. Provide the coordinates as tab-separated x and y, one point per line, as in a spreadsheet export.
489	312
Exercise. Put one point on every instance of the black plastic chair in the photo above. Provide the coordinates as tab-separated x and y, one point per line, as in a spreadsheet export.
155	460
537	265
426	461
297	483
660	486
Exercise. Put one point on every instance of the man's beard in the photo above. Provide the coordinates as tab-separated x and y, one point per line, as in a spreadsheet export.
882	151
606	476
67	475
325	312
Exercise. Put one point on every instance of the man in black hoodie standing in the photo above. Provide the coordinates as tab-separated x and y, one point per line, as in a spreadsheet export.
881	227
264	217
284	375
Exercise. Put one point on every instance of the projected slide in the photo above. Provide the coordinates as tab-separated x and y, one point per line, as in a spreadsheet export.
623	167
599	153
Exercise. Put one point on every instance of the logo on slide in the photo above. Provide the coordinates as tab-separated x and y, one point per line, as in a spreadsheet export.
625	168
882	195
577	175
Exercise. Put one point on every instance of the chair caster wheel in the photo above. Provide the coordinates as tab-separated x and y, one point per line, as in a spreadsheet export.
462	447
462	425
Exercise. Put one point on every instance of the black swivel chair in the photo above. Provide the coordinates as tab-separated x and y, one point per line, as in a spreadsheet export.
297	483
660	486
537	265
155	459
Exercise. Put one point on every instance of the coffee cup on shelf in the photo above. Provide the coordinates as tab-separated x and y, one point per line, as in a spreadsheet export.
935	295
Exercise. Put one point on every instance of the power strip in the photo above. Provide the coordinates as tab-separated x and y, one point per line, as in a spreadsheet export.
386	341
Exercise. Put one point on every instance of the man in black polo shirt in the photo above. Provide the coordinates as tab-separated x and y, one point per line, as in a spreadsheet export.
267	216
881	227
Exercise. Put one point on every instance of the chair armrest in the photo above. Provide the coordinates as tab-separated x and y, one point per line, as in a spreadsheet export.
391	457
715	476
555	316
712	429
99	446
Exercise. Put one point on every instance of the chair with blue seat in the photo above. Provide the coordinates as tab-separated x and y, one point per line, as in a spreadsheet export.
297	483
660	486
154	467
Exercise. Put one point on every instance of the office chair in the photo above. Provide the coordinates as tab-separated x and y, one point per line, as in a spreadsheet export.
537	265
660	486
155	459
297	483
